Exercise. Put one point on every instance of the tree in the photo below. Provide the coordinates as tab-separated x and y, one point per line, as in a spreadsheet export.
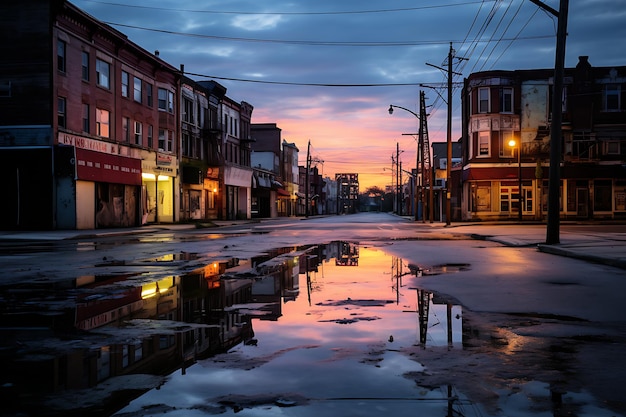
372	199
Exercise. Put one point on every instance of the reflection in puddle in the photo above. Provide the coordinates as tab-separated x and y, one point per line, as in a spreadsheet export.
326	327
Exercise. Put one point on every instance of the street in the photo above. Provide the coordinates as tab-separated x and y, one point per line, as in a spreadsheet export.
528	332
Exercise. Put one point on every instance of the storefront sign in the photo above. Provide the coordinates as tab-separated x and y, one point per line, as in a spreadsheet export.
102	167
163	159
88	144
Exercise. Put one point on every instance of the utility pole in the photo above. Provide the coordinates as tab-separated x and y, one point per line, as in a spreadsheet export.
449	127
554	182
449	137
427	169
420	156
398	212
307	179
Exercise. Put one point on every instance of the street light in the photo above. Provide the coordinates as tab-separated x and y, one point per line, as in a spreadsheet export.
417	158
518	145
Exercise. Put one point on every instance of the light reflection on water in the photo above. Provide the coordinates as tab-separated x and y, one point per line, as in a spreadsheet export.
332	343
334	329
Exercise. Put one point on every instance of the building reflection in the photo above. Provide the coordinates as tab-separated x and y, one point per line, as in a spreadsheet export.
81	333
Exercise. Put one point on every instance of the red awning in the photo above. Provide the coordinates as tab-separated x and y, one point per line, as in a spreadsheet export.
498	173
283	193
104	167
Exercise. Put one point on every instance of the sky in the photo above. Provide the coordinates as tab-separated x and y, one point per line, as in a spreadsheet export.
326	71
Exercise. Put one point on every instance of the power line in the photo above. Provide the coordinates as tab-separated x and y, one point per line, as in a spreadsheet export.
437	6
301	84
301	42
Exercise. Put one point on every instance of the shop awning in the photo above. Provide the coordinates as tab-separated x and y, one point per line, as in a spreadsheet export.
103	167
498	173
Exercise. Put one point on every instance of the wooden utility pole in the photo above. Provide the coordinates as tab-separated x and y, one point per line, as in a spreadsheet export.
449	137
554	182
420	168
307	179
398	197
428	168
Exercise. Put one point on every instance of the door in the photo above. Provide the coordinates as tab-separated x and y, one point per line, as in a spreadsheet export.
582	202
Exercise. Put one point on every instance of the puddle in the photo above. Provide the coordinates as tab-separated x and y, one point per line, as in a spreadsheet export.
332	329
425	270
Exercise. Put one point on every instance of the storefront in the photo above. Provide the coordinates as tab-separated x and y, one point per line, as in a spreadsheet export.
108	179
237	183
158	182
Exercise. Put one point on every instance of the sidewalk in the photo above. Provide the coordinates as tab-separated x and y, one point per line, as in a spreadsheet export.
607	249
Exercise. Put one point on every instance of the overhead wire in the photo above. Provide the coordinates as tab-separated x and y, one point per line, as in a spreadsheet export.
470	50
404	9
495	44
515	37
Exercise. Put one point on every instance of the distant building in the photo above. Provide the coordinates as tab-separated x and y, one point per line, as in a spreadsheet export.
504	106
267	180
347	193
314	191
290	195
329	189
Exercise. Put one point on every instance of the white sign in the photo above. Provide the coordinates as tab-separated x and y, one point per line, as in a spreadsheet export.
87	143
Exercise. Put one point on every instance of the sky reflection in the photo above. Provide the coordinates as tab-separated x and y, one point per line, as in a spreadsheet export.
337	344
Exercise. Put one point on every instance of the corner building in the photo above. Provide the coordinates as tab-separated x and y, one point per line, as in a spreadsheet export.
506	144
88	125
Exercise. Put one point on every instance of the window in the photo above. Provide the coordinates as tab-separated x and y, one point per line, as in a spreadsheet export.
620	195
170	141
483	100
150	136
61	55
166	100
483	144
162	139
612	97
85	73
506	100
138	133
162	99
602	195
137	89
125	81
505	199
186	144
188	110
613	147
102	73
102	123
126	129
86	121
149	98
506	150
61	115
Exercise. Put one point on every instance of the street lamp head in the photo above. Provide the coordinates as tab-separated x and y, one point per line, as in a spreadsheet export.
512	143
390	109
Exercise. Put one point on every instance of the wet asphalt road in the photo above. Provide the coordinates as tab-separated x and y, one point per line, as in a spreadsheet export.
580	349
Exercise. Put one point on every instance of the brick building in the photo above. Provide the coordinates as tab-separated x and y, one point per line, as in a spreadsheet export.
88	123
506	140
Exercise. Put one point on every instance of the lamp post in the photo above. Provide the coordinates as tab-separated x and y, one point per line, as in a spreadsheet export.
517	145
417	158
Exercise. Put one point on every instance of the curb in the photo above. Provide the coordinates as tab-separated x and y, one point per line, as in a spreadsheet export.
554	250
